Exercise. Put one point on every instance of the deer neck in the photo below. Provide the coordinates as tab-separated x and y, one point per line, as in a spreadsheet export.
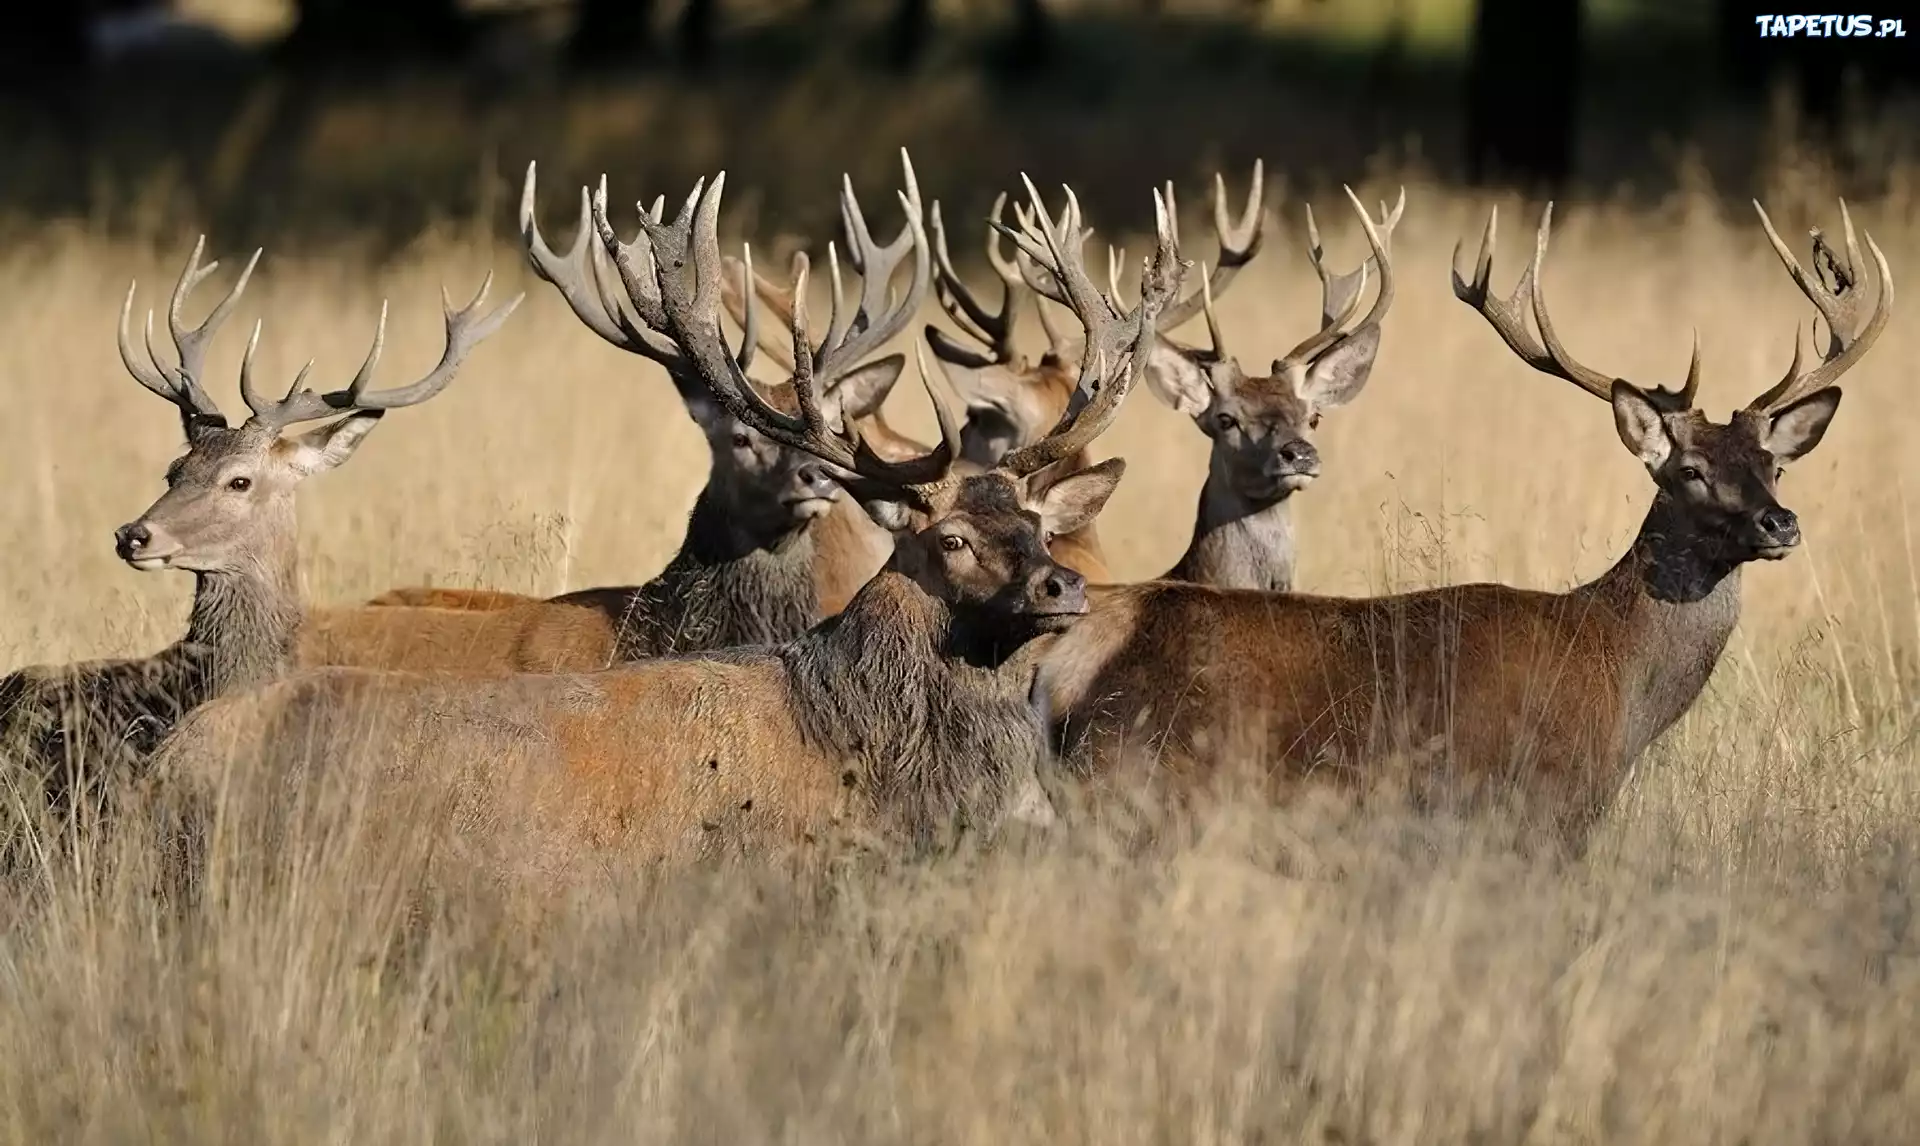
725	588
1238	542
894	686
244	622
1677	594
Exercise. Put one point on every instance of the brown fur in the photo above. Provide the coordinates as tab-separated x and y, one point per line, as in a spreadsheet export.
904	714
1470	690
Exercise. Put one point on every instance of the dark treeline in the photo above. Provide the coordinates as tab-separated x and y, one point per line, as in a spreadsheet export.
1518	108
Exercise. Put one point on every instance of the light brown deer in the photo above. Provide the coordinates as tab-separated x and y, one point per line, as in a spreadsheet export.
907	710
227	517
1011	401
1546	696
750	570
1261	427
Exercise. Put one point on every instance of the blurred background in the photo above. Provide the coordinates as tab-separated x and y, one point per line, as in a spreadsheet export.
309	119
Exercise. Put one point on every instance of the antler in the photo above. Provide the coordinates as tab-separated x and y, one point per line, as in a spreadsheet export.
1114	341
181	384
581	277
1239	242
1340	293
1508	317
995	331
1847	337
875	322
692	316
466	329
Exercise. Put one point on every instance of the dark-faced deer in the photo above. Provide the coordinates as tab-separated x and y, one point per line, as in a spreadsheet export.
227	517
750	570
908	709
1549	696
1011	401
1261	427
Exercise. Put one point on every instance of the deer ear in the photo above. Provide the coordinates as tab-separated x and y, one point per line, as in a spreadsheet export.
1178	380
1638	421
324	447
1337	376
1074	500
863	391
1795	430
892	516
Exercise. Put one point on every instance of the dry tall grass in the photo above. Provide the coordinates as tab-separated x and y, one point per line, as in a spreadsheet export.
1730	963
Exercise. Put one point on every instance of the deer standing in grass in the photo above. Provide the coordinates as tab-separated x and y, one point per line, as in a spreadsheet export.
908	709
1547	696
758	559
227	517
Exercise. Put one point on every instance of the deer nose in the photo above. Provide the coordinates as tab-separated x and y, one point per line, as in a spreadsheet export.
1778	524
1295	457
1057	589
817	480
130	539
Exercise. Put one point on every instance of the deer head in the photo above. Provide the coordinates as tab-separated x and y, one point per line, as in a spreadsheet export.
229	500
1719	480
976	542
762	487
1261	426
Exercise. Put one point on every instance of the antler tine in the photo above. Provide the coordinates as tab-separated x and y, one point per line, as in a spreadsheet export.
771	339
995	331
146	369
1566	366
192	342
1340	294
466	328
1508	316
1123	343
1847	338
1240	240
876	321
693	316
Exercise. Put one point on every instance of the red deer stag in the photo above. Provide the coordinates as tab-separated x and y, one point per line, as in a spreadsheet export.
227	517
751	568
1261	427
907	710
1547	696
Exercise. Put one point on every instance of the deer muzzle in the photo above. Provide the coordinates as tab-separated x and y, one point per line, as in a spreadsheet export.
141	546
1775	532
1055	591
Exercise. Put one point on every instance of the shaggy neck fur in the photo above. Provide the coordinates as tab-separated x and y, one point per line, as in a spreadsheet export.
722	590
935	741
1238	543
1679	592
244	623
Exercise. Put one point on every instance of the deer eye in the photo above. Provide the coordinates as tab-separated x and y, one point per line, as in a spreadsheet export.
740	440
952	543
240	484
1226	422
1313	423
1688	473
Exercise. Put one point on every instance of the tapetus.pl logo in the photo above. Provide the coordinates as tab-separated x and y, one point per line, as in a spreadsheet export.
1859	26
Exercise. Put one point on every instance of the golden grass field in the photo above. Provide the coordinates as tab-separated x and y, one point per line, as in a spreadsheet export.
1731	961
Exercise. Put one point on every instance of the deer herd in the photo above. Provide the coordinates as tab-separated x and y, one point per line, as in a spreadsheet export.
863	635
